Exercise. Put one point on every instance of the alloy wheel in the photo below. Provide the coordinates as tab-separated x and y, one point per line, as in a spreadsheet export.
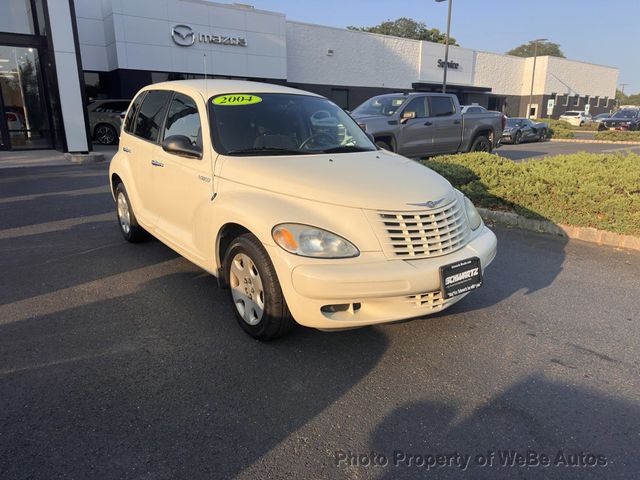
105	134
124	215
246	289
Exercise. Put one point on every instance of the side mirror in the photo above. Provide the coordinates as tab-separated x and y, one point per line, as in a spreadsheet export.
181	145
407	116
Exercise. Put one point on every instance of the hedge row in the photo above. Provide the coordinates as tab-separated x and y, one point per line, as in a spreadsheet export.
582	189
618	136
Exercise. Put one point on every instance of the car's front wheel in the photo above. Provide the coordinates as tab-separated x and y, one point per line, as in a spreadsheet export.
258	303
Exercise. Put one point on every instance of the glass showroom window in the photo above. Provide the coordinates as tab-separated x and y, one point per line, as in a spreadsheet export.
22	99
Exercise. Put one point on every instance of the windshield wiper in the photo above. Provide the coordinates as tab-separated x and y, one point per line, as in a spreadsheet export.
346	149
265	151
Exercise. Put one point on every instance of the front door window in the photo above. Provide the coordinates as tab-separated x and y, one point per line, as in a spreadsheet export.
23	101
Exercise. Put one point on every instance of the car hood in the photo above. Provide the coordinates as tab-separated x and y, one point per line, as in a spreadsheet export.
368	118
377	180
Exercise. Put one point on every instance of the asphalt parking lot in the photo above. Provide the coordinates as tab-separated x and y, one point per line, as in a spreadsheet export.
537	150
124	361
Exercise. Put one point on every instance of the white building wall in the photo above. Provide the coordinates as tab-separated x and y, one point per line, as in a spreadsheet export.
71	101
503	73
136	34
569	77
358	59
432	73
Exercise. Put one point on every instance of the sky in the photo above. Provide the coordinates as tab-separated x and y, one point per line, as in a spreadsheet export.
605	32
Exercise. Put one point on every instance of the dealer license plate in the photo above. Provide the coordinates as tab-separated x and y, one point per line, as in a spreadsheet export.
460	277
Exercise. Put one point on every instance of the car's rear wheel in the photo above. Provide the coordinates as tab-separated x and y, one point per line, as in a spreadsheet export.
481	144
542	136
106	134
258	303
131	231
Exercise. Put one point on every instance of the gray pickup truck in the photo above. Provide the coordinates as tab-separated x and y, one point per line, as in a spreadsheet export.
425	124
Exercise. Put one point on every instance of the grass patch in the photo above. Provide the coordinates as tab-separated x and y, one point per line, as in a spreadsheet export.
618	136
582	189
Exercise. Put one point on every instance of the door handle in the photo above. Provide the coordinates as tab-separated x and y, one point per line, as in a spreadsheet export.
156	163
456	122
126	149
428	124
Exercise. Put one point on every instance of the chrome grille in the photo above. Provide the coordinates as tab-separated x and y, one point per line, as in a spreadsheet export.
425	233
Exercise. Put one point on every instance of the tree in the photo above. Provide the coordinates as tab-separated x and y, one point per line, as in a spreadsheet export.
407	28
624	99
544	48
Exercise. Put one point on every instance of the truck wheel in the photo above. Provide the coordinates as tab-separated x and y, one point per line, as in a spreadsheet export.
258	302
481	144
131	231
384	145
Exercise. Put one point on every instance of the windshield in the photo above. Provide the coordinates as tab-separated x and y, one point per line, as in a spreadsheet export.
570	114
282	124
514	122
385	105
624	114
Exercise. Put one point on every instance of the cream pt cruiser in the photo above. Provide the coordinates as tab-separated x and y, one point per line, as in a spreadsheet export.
280	195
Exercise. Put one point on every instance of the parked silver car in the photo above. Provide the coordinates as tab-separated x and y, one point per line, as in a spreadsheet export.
105	121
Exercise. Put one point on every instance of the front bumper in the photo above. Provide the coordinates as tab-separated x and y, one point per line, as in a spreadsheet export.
375	289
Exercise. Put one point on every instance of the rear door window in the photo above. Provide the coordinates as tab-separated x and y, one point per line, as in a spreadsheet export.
135	106
151	115
441	106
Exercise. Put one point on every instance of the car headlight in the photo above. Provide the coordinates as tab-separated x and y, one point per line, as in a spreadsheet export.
472	214
308	241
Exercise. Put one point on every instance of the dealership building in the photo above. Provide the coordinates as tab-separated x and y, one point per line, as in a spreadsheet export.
58	55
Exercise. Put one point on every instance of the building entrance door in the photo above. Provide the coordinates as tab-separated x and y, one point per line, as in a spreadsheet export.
25	121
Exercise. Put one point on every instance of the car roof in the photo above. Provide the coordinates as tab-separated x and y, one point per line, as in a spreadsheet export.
211	87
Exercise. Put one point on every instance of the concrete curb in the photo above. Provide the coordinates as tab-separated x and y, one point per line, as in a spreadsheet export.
577	140
586	234
82	158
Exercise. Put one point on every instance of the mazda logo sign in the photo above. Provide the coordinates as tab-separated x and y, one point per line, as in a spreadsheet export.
183	35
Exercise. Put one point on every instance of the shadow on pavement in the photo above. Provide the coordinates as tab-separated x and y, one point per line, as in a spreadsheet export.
161	383
535	414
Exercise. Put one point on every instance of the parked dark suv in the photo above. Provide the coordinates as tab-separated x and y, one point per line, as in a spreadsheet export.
626	119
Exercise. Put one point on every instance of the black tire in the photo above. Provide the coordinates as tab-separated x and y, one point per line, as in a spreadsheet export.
105	134
384	145
134	233
481	144
542	136
276	320
517	139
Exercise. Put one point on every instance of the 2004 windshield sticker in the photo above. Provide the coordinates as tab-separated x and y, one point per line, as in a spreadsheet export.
236	100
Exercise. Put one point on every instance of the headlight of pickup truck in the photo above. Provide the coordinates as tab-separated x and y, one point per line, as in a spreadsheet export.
308	241
472	214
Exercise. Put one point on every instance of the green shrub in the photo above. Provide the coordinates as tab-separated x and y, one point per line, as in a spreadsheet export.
582	189
618	136
555	123
557	132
